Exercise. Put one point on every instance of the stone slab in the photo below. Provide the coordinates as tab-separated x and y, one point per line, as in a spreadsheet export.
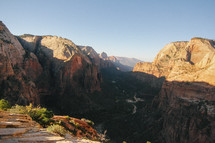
41	139
12	131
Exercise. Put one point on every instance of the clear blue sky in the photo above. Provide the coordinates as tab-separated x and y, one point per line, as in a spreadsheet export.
131	28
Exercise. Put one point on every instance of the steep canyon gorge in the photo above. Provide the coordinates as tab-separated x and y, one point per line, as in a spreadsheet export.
169	100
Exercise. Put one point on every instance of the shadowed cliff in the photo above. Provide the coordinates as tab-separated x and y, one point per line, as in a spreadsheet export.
67	75
186	99
169	100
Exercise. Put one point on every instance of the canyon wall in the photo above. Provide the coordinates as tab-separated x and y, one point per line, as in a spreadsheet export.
16	85
46	69
187	99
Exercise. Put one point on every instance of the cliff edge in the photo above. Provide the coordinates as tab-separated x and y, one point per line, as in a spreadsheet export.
186	99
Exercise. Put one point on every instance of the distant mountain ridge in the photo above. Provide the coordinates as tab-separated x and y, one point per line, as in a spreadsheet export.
128	61
122	63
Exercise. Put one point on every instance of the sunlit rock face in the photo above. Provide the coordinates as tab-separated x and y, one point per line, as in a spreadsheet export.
63	60
15	67
187	96
10	46
147	68
69	72
11	51
184	61
49	67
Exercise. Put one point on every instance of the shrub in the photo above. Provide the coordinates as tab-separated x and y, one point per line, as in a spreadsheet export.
41	115
4	104
89	122
67	117
18	109
38	114
75	124
57	129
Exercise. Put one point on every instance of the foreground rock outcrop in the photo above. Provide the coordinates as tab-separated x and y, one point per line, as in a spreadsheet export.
187	99
19	128
80	128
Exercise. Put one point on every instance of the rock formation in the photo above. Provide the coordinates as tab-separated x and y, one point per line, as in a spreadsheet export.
20	128
15	65
34	69
104	56
60	75
187	96
184	61
62	61
69	73
79	128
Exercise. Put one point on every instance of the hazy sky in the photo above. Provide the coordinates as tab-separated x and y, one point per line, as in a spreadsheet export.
131	28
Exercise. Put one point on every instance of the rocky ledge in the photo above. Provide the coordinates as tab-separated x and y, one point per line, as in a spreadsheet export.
19	128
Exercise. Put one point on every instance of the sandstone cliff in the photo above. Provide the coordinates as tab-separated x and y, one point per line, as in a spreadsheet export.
61	58
69	72
188	112
15	65
184	61
187	96
46	70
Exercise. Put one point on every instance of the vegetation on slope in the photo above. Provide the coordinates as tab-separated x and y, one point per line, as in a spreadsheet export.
4	105
38	114
60	125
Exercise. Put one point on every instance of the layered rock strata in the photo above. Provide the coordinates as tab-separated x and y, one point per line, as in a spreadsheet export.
18	128
46	69
187	96
15	65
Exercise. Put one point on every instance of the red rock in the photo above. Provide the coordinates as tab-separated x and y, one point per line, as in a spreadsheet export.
78	127
13	78
32	68
187	96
